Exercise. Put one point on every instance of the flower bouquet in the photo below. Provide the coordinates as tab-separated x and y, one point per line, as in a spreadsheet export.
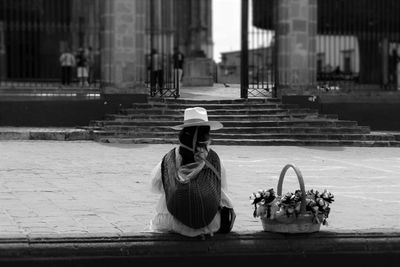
298	212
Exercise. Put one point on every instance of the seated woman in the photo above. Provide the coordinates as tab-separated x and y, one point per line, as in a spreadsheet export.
192	182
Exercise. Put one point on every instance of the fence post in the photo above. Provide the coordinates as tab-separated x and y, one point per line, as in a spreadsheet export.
244	60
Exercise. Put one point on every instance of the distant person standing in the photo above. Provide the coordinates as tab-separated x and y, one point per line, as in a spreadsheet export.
393	68
91	63
156	75
397	69
178	60
67	61
82	67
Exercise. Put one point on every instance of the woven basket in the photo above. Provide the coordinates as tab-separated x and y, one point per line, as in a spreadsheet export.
303	223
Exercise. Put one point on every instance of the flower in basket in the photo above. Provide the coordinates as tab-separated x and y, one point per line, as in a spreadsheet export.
263	200
268	205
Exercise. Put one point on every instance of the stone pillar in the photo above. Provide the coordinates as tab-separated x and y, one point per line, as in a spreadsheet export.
123	46
199	65
296	30
200	28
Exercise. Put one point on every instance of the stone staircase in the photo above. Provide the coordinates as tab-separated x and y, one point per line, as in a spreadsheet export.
246	122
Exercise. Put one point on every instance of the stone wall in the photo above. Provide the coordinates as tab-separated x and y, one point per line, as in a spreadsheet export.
378	110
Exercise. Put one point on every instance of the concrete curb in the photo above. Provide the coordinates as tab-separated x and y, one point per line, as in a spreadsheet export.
54	134
235	249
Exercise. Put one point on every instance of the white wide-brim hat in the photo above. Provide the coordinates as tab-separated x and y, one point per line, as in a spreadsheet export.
197	116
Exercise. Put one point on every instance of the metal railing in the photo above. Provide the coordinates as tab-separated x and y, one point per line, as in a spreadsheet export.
34	34
161	78
358	44
257	55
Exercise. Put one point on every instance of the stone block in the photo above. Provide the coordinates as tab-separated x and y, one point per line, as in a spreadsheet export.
313	13
127	42
125	88
304	12
312	44
14	135
284	14
123	7
78	135
122	29
139	41
58	136
302	41
140	24
299	61
294	11
128	18
198	72
141	6
125	56
312	29
299	25
128	72
312	3
283	28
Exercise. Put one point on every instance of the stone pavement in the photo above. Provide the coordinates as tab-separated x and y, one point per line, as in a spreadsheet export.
218	91
84	188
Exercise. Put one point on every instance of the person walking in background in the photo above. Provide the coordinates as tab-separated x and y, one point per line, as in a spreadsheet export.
67	61
192	182
82	67
397	70
156	75
178	61
91	63
394	68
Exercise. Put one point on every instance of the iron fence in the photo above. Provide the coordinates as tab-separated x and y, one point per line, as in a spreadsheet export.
161	78
257	56
34	34
358	44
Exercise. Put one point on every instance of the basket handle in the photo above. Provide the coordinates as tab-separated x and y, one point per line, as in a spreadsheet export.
301	182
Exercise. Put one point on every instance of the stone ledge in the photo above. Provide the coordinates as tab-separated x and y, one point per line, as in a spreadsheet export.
26	133
235	249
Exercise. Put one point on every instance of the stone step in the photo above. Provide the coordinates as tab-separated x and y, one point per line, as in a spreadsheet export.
257	130
255	122
207	106
236	117
220	101
242	247
244	111
58	134
236	123
259	136
258	142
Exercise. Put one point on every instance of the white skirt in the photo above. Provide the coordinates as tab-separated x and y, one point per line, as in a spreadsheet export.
163	221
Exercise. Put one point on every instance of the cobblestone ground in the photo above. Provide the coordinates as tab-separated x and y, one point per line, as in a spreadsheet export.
86	188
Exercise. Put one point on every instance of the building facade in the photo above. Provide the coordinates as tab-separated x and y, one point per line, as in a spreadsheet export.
121	33
34	33
352	42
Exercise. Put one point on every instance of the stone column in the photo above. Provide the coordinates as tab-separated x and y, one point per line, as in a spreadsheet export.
201	28
296	30
123	46
198	68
